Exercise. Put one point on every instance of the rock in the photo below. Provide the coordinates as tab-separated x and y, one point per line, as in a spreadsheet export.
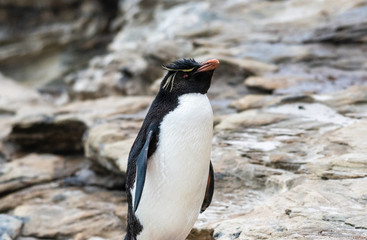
271	84
203	234
350	96
92	176
35	169
249	118
312	111
16	98
253	101
123	73
261	101
61	130
109	144
190	18
91	111
167	51
349	26
359	222
13	96
320	79
311	213
288	165
284	182
9	227
41	225
253	67
352	135
58	39
104	108
53	212
45	134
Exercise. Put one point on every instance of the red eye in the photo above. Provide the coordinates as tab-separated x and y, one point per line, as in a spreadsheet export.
185	76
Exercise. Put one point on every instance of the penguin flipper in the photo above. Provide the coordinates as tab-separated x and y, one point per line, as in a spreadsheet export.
209	189
141	168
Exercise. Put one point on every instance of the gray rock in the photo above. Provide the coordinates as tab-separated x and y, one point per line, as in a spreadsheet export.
350	26
51	37
9	227
122	73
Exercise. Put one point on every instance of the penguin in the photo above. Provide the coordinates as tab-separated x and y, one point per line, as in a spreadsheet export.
170	177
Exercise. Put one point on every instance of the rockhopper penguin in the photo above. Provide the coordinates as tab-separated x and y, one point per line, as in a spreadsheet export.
170	177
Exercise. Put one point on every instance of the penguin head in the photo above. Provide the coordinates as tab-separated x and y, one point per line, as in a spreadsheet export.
188	76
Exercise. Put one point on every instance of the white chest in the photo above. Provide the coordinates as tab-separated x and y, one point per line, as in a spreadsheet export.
177	172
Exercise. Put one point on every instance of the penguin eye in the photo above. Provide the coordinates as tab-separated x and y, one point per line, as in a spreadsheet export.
186	75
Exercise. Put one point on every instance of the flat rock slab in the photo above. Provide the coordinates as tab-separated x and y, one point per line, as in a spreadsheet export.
249	118
314	209
51	211
35	169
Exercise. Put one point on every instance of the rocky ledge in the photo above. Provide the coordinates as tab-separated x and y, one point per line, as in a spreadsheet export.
290	107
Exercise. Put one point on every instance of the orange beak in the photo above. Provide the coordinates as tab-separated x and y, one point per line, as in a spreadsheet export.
208	65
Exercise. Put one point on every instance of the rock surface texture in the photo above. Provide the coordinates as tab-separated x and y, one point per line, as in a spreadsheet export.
289	99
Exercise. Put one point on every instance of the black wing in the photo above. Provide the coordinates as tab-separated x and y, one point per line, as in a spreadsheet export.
141	166
209	189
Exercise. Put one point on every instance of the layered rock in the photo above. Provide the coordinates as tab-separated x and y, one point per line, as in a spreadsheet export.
61	130
35	169
290	105
55	212
43	40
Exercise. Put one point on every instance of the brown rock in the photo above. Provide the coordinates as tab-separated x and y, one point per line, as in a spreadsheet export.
35	169
68	212
273	83
91	110
109	144
54	220
254	101
249	118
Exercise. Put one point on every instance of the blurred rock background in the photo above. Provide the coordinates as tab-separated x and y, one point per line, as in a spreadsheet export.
289	98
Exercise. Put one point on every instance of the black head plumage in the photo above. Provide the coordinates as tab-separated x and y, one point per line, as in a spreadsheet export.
184	65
